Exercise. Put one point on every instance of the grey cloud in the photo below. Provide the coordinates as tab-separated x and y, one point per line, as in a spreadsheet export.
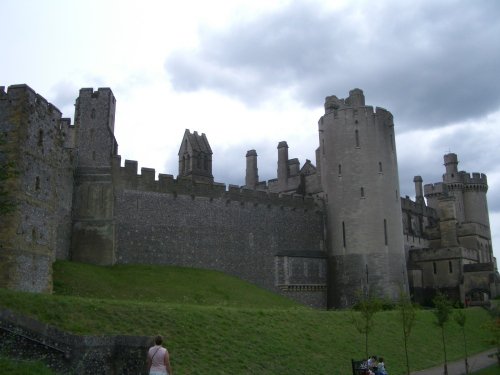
430	63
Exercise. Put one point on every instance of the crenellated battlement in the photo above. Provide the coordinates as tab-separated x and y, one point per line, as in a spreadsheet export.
475	178
409	205
435	189
89	92
127	178
29	96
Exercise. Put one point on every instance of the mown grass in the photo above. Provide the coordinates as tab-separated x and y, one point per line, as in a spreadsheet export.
233	335
11	367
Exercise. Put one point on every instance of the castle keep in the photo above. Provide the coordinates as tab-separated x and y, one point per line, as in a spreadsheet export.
320	234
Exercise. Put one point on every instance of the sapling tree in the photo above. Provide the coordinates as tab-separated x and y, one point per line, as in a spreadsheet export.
407	313
363	313
460	319
442	311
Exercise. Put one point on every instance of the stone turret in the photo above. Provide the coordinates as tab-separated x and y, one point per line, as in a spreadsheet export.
283	165
419	195
359	176
251	176
195	158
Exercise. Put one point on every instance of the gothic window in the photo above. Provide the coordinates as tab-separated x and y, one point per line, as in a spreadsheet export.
356	134
385	232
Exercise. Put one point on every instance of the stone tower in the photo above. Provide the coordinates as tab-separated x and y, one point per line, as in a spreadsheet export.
195	158
38	231
359	176
467	194
93	239
252	174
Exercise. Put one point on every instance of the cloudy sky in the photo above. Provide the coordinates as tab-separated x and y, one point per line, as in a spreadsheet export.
250	74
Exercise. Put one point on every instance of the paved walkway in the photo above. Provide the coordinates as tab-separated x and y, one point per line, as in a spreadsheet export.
476	362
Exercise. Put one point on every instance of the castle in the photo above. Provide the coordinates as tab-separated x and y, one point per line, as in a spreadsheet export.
320	234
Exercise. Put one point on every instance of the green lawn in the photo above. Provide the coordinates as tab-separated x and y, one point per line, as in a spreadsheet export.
215	324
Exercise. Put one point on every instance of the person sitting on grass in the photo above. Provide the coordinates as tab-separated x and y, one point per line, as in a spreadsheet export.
381	367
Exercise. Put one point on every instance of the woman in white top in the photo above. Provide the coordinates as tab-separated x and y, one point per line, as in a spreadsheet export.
158	359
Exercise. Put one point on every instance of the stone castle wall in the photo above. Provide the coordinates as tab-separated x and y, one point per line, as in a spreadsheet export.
240	232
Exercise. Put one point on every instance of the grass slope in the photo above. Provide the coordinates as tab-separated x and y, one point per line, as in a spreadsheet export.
226	336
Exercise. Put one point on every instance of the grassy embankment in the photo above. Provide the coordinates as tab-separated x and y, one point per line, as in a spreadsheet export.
218	324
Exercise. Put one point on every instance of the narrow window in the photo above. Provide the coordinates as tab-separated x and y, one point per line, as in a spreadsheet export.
380	167
450	266
343	233
340	169
362	192
385	231
37	183
434	267
356	134
92	114
40	138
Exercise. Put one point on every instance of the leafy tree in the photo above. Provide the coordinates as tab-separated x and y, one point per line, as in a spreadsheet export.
442	311
460	319
407	312
363	313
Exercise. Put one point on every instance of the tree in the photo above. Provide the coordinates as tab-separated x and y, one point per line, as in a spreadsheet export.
460	319
442	311
362	315
407	312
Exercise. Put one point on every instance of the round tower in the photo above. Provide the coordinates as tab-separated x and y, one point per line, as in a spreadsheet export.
454	184
360	181
251	176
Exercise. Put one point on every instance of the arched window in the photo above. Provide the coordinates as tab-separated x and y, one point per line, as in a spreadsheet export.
380	167
362	191
340	169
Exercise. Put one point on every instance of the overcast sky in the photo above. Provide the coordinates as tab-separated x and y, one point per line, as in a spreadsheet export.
250	74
